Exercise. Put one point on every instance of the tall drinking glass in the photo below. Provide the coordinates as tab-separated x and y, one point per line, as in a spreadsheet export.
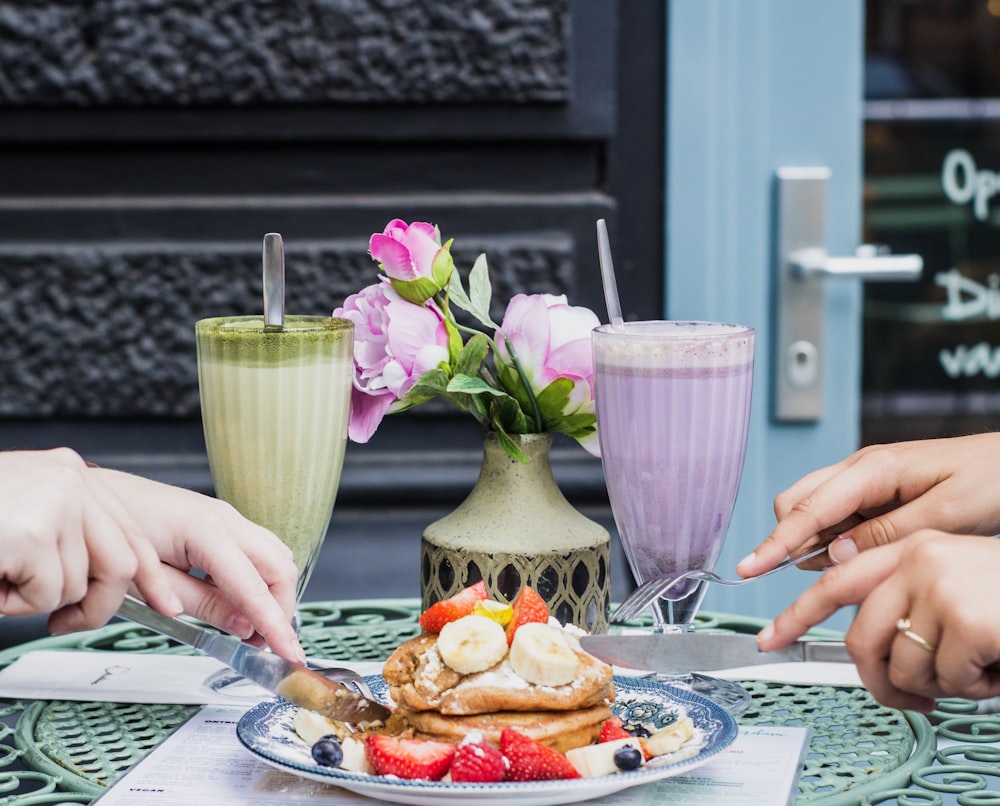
673	408
275	403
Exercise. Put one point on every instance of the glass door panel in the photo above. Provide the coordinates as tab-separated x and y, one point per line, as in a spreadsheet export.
932	186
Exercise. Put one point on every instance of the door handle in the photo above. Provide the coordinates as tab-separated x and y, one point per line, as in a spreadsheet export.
802	267
870	263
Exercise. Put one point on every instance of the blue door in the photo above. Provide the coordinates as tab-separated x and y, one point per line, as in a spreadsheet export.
753	87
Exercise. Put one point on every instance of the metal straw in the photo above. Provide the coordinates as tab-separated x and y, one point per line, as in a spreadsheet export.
608	274
274	281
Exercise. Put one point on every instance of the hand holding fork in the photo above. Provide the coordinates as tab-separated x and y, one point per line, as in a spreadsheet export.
650	590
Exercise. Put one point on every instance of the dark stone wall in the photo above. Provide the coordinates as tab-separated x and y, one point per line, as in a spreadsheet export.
107	331
146	146
239	52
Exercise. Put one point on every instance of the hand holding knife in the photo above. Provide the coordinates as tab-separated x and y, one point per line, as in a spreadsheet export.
290	680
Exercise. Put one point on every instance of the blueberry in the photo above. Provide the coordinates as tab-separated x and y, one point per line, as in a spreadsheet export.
628	758
641	731
328	752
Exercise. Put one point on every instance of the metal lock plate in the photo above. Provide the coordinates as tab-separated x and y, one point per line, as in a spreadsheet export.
801	270
801	199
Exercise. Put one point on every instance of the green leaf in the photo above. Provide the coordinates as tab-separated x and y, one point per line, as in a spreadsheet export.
477	302
473	385
554	398
481	291
477	405
433	383
577	425
509	416
510	380
456	293
472	356
455	344
512	448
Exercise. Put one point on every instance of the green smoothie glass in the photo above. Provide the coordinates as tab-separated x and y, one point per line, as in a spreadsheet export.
275	403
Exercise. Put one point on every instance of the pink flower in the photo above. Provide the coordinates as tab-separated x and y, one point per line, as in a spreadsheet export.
406	251
395	342
552	340
413	259
534	375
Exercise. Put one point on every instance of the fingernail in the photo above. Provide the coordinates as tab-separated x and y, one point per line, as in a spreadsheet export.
239	625
766	634
176	605
842	549
300	654
748	560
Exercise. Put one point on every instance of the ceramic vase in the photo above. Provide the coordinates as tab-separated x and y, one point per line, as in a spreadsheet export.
517	528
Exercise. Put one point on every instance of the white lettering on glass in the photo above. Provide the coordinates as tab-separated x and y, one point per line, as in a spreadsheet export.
965	362
968	299
964	182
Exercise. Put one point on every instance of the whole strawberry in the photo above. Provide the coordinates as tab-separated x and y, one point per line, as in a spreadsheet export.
478	762
528	607
531	760
409	758
454	608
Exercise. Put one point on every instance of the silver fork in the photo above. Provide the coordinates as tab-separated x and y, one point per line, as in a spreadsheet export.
650	590
348	677
228	683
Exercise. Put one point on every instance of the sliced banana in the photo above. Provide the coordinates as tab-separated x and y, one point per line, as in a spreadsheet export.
542	655
595	760
472	644
311	726
355	759
671	738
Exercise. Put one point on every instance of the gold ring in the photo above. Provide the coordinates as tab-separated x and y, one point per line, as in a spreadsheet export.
903	628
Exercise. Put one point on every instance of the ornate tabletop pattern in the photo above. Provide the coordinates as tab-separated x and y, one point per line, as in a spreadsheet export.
61	752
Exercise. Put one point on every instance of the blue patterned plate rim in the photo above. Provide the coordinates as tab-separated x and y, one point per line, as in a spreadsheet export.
266	731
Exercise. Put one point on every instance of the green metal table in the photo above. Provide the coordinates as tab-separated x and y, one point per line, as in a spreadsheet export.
63	752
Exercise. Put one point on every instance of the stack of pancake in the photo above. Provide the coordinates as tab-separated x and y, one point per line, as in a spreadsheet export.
434	701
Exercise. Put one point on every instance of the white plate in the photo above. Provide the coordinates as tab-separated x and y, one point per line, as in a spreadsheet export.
267	732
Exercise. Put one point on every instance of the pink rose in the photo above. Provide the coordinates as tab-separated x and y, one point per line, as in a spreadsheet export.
552	340
395	342
413	258
406	251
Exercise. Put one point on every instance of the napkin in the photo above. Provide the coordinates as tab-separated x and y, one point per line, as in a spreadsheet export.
136	677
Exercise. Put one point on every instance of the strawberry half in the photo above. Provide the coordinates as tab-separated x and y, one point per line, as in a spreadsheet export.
458	606
612	730
531	760
528	607
478	763
409	758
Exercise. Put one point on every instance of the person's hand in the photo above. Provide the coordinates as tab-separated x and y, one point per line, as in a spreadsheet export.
945	585
884	493
67	544
250	580
74	539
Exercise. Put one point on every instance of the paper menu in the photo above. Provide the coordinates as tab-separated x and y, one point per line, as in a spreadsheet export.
203	764
762	766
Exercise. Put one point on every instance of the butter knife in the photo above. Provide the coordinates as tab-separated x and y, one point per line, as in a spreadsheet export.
287	679
679	653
